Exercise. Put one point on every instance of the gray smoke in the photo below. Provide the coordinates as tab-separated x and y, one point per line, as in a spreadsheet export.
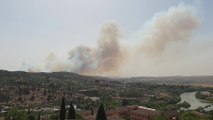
106	57
165	29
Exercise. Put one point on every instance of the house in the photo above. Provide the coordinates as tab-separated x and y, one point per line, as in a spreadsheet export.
143	113
131	113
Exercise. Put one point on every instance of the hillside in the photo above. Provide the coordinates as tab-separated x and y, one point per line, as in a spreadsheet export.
24	88
183	80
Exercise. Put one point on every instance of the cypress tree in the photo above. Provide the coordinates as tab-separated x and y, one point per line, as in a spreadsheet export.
71	113
212	114
39	116
124	102
28	111
62	110
101	113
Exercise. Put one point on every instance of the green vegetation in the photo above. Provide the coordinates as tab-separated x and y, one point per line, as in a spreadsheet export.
194	116
43	92
124	102
62	110
208	96
188	115
16	114
20	114
4	97
54	117
71	112
184	104
101	113
39	117
79	117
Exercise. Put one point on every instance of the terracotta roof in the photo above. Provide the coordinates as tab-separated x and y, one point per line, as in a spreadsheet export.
121	109
145	112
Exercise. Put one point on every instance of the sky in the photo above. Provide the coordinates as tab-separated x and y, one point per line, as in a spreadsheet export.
107	37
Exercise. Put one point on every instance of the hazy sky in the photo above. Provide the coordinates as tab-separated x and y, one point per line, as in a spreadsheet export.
32	29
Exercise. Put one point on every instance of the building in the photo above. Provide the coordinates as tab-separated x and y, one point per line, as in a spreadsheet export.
143	113
131	113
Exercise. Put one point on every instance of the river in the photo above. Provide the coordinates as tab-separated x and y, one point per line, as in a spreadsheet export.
194	102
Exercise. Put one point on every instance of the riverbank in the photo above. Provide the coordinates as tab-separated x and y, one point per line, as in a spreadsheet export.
204	96
195	102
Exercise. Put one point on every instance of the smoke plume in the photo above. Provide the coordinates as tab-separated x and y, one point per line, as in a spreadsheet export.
106	57
166	28
54	64
109	55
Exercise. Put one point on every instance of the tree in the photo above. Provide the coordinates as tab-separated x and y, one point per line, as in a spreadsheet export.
62	110
211	113
53	117
101	113
39	116
71	113
32	98
28	111
4	97
124	102
30	117
16	114
49	97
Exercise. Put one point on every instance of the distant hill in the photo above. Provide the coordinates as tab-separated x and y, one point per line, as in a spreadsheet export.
62	75
185	80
